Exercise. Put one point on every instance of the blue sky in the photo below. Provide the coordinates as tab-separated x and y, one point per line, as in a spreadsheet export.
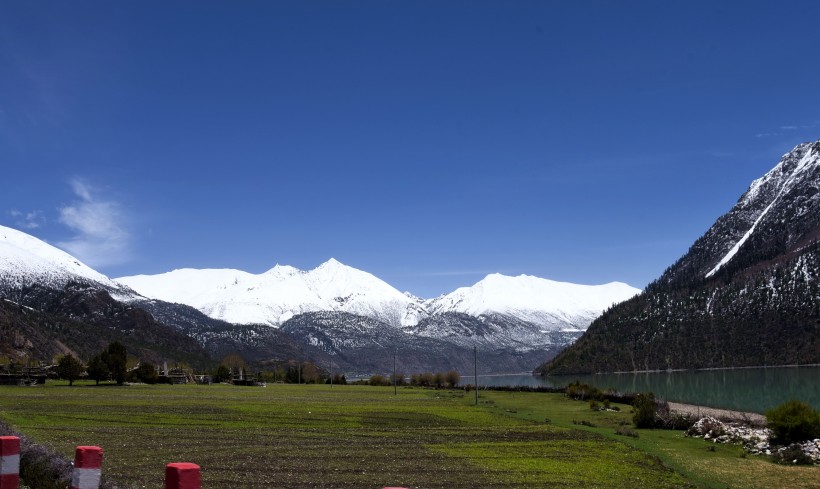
429	143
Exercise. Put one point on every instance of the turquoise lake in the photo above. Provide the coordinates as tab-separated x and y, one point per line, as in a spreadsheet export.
747	389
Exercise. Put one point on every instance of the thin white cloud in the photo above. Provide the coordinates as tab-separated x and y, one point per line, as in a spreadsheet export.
28	220
782	130
100	239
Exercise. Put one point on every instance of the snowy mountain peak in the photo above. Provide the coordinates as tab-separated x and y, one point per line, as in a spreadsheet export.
532	297
797	168
332	263
282	271
25	259
284	292
277	295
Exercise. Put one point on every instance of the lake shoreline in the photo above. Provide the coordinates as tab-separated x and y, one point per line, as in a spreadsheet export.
744	417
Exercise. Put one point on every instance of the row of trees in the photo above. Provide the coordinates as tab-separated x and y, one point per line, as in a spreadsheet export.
110	364
438	380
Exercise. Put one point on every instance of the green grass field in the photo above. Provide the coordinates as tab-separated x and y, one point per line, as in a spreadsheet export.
290	436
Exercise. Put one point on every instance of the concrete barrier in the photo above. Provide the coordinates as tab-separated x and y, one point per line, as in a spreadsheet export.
182	475
9	462
87	468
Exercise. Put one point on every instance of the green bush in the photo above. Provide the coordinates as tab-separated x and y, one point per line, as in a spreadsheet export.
792	422
377	379
644	407
582	392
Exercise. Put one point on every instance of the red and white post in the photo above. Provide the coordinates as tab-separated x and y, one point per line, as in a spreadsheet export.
87	468
182	475
9	462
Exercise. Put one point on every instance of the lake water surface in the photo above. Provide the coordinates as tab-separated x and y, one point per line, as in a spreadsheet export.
747	389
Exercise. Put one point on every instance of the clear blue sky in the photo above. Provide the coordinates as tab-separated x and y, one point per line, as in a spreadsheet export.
428	143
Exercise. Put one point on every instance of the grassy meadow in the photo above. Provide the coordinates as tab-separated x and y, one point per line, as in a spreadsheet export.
299	436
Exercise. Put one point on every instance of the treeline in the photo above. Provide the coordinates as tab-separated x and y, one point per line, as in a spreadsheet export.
439	380
111	364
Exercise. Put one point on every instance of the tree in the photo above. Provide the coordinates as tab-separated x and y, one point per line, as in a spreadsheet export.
310	374
453	378
235	362
69	368
223	373
146	372
98	369
378	379
115	357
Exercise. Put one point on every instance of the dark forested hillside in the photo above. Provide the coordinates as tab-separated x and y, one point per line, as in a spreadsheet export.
82	320
745	294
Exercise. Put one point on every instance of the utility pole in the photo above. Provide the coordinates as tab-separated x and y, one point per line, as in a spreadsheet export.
331	372
299	373
395	390
475	372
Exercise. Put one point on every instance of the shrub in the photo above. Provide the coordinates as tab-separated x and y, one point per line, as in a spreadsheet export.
593	404
146	372
626	432
793	421
582	392
377	379
644	407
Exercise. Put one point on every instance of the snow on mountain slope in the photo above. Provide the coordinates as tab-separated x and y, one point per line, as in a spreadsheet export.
26	260
280	293
540	301
771	188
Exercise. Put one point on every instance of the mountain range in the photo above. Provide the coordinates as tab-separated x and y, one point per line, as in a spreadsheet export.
331	313
747	293
283	292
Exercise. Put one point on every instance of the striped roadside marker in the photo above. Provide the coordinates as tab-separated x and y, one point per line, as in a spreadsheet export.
9	462
182	475
87	468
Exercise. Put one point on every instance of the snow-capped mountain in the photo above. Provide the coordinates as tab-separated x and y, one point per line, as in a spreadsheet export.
745	294
26	260
279	294
332	310
552	305
283	292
